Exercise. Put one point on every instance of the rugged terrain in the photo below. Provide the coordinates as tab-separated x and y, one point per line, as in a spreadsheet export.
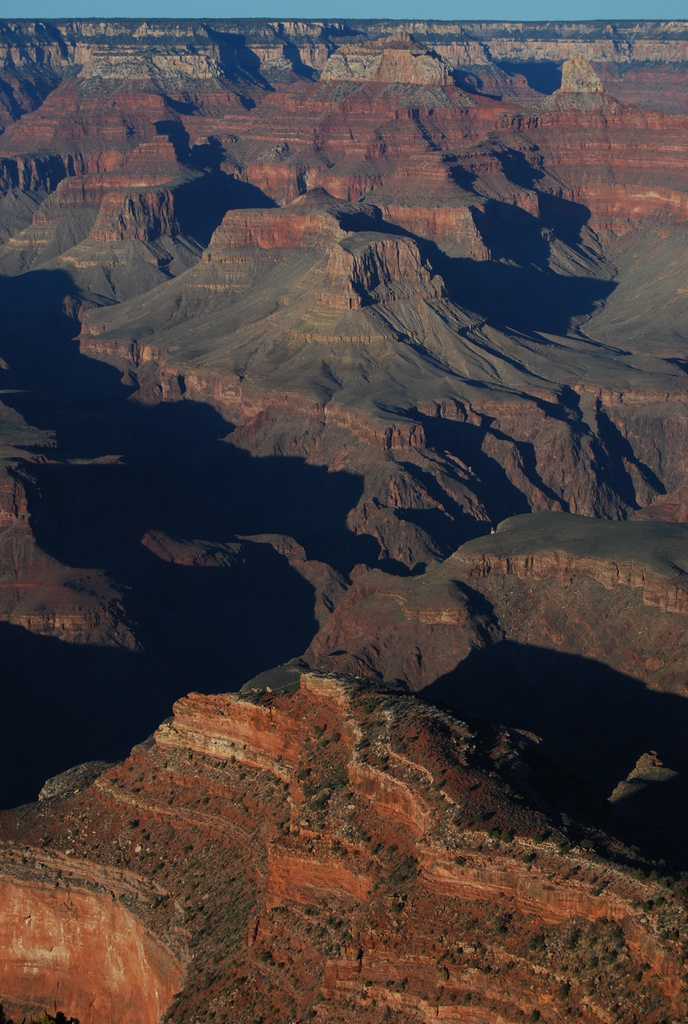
336	852
567	627
353	347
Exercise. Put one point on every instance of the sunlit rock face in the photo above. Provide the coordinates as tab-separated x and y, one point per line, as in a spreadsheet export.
70	947
577	75
321	829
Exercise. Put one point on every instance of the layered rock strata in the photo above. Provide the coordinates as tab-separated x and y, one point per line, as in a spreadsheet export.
273	853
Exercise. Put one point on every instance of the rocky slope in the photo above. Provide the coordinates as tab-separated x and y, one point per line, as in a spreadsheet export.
642	562
330	852
571	628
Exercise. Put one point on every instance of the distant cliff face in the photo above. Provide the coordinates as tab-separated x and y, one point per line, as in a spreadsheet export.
335	852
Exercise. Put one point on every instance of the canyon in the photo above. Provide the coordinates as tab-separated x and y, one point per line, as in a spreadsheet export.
342	383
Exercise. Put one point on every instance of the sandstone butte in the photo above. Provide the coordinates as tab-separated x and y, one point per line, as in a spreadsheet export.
295	314
330	851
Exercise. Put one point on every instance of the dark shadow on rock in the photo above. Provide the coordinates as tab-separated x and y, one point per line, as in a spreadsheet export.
528	298
472	83
518	169
564	217
448	524
543	75
181	106
516	288
592	720
175	132
205	621
201	204
497	494
653	817
202	629
240	65
66	704
293	55
512	233
207	156
180	479
619	454
464	179
446	531
38	335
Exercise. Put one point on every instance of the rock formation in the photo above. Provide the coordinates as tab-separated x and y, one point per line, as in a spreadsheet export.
567	627
397	64
336	852
577	75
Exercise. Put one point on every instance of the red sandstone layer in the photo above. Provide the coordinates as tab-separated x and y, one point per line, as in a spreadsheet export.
324	849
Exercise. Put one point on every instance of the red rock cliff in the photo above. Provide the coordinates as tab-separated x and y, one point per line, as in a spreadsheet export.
323	848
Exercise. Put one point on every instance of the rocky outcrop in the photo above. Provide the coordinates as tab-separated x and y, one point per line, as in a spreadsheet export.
380	268
425	628
143	216
391	798
656	590
407	65
247	732
578	76
318	847
303	880
567	627
421	631
450	225
648	771
31	173
299	226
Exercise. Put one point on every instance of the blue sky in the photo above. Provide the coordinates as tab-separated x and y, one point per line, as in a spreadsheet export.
448	10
